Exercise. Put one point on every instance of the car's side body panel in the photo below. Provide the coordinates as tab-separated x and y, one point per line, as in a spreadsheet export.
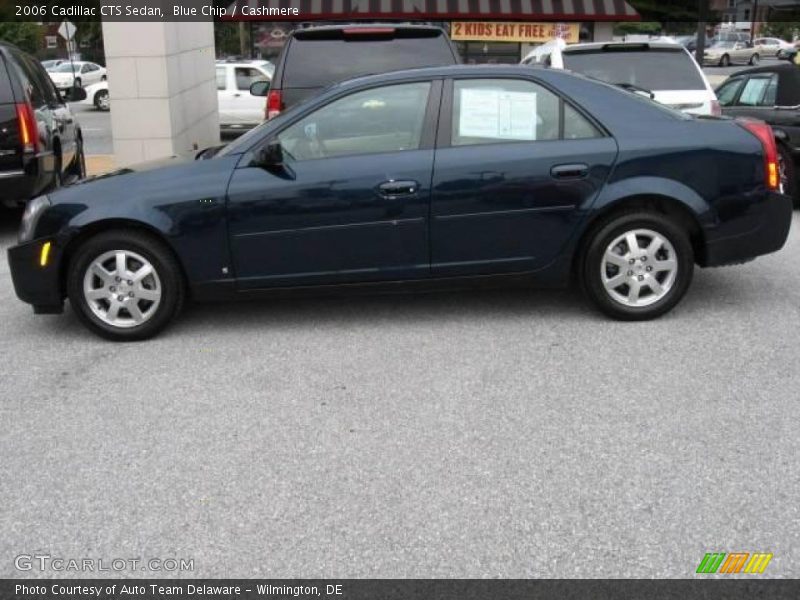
713	169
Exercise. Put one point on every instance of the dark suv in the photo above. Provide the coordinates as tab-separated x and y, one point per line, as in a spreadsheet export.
316	57
40	141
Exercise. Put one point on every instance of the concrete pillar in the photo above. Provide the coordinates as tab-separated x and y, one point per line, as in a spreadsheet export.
162	83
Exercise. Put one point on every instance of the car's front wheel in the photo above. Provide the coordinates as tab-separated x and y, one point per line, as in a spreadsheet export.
125	286
725	61
788	173
101	100
637	266
754	60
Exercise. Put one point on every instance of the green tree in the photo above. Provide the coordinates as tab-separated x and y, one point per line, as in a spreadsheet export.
786	30
22	34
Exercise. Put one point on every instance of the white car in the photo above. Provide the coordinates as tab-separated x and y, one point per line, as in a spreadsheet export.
665	71
771	46
97	96
51	64
238	109
78	73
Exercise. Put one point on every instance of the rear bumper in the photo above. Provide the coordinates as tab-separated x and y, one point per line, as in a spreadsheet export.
17	186
33	283
769	225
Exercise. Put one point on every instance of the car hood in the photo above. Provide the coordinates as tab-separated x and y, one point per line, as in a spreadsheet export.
150	165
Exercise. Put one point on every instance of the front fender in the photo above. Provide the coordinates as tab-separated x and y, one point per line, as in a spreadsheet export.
185	205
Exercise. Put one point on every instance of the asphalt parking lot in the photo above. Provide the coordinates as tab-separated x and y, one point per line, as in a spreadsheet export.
500	433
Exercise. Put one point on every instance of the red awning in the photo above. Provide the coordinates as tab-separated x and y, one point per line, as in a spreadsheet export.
437	10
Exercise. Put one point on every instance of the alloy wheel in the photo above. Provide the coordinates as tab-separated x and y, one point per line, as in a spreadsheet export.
122	288
639	268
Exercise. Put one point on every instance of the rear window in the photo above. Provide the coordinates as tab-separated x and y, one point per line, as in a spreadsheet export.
6	95
655	70
318	63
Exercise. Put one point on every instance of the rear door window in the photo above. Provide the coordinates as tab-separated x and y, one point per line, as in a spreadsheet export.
36	89
651	69
222	78
319	63
496	111
247	76
759	91
6	94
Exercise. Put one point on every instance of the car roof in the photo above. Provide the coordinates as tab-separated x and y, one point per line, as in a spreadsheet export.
781	68
340	26
479	71
622	46
310	33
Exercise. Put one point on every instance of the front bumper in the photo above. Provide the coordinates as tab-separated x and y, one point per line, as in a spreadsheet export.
34	283
767	229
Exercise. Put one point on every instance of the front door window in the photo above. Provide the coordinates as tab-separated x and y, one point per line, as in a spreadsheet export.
376	121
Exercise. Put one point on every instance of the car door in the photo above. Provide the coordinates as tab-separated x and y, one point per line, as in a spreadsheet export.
516	165
754	96
247	109
351	201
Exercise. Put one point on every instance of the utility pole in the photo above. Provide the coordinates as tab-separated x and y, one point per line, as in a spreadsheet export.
244	42
700	49
753	22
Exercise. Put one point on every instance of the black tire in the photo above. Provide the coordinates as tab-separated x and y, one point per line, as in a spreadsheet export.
98	100
58	175
725	61
788	174
78	169
754	60
161	259
602	237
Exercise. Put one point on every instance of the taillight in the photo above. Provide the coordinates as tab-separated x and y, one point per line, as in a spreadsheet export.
716	108
766	136
28	131
274	104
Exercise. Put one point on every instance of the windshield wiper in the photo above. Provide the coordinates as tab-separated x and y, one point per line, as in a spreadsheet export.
635	88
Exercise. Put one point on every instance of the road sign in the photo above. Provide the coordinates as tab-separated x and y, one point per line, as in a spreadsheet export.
67	30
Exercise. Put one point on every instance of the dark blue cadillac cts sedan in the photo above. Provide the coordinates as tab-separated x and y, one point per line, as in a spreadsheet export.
446	175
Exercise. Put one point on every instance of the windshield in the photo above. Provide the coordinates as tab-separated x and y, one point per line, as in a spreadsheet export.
66	68
649	69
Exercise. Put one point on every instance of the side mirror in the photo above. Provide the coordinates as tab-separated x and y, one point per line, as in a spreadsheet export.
259	88
74	94
270	156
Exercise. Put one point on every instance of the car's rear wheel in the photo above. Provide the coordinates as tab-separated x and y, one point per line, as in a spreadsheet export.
637	266
788	173
125	286
101	100
78	167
